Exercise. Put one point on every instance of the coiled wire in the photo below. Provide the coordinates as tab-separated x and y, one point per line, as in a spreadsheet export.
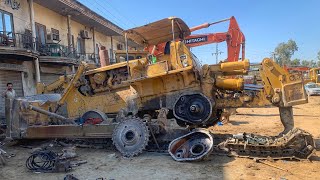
41	161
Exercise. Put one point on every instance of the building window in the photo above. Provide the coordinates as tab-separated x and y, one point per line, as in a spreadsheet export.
81	46
41	33
6	25
119	47
55	34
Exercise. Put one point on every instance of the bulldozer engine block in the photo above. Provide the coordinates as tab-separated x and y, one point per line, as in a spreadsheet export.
193	108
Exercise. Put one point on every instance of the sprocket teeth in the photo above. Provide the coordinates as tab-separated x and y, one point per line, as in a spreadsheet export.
137	123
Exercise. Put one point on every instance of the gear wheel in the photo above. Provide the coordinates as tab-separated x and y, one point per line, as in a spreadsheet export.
131	136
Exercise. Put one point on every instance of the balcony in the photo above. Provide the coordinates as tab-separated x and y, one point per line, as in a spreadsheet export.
17	44
23	44
57	53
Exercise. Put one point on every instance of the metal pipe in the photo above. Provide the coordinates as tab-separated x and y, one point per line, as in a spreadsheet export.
50	114
255	64
253	86
37	67
243	51
73	69
205	25
33	25
223	20
172	29
94	45
127	54
111	49
70	45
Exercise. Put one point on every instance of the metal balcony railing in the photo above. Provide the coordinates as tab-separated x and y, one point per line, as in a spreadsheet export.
27	42
18	40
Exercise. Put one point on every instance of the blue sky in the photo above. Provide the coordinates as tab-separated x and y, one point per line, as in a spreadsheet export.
264	23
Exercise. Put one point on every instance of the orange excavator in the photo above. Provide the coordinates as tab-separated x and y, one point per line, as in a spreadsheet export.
234	38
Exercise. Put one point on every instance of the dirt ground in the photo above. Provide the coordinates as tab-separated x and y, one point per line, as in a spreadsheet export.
110	165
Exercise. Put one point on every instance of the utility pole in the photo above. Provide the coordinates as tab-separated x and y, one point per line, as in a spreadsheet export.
217	53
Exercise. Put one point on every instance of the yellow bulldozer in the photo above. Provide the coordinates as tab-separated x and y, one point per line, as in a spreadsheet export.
134	101
314	74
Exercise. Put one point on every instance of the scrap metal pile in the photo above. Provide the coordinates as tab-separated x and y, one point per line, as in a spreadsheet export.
139	101
296	144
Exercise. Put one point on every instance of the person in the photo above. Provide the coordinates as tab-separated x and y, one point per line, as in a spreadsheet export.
9	93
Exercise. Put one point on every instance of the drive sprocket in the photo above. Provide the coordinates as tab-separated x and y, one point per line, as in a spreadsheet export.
131	136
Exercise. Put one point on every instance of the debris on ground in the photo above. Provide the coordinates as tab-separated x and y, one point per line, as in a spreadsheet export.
70	177
45	160
271	165
4	155
2	160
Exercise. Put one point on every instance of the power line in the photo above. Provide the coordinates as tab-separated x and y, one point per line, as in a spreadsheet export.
217	53
127	19
119	21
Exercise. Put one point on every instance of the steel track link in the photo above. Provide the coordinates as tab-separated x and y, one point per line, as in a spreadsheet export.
296	144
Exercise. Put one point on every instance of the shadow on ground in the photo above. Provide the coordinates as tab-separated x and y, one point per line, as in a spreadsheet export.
237	123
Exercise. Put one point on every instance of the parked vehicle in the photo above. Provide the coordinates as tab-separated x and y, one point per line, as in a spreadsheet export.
312	89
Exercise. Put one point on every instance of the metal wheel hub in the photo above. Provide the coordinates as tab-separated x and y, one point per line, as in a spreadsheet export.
131	136
193	108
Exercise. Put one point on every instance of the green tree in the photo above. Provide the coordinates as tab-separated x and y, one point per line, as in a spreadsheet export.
284	52
305	63
295	62
313	64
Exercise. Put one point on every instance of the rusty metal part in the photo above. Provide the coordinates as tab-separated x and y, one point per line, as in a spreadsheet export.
153	129
191	147
95	114
67	131
296	144
271	165
51	114
131	136
193	108
286	117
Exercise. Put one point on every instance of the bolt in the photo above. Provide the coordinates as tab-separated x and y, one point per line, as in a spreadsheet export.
194	108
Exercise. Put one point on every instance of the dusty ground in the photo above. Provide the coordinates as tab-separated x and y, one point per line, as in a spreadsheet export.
107	164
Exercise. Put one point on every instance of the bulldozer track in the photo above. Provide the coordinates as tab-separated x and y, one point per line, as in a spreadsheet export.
296	144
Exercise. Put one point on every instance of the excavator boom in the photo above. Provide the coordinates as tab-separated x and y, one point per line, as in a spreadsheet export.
234	38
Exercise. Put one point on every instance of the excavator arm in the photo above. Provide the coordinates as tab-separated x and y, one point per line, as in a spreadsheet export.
234	38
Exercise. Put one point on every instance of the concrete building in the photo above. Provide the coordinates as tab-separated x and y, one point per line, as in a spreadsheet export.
41	40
